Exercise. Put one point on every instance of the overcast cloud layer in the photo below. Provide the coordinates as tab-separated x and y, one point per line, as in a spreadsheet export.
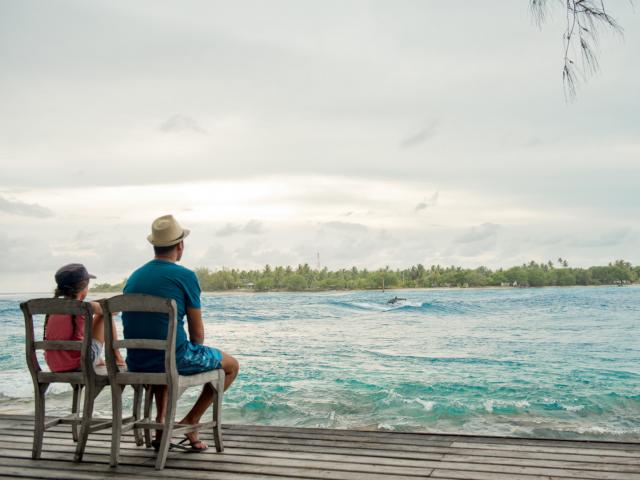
374	133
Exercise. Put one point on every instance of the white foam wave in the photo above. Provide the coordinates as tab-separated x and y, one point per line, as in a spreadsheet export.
427	404
16	384
598	430
573	408
386	307
386	426
490	404
370	306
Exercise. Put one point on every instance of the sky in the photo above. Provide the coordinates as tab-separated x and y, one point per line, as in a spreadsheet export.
372	133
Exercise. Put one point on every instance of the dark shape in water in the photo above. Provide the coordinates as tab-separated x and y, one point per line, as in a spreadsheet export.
395	300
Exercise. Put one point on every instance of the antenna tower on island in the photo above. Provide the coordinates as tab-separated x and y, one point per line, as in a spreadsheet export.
318	258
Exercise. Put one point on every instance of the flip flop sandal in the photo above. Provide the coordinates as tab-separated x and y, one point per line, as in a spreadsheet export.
156	445
191	447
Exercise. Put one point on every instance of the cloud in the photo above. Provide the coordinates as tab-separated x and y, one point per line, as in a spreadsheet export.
22	209
421	136
252	227
255	253
181	123
432	202
607	239
479	233
346	227
26	254
534	142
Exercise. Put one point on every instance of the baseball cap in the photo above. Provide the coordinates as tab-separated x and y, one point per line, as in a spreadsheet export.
72	274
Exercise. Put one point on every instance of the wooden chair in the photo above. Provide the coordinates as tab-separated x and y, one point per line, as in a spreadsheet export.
175	383
88	378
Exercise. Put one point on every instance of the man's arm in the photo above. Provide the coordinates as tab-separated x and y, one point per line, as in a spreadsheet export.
196	327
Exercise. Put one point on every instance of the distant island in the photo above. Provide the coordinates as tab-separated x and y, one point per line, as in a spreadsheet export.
305	278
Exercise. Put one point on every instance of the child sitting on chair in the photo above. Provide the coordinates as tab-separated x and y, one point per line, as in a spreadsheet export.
73	283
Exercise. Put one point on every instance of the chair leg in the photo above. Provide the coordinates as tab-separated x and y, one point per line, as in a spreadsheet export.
90	394
38	425
217	412
137	403
148	401
116	425
167	431
75	408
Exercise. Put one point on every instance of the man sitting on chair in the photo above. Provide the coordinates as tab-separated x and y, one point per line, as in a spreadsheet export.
163	277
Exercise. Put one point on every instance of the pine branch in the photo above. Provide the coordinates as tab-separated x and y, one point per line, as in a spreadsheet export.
584	21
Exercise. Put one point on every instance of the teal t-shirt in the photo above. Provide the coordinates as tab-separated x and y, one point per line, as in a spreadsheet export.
162	279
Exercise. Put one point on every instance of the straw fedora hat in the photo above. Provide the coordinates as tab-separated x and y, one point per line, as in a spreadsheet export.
166	231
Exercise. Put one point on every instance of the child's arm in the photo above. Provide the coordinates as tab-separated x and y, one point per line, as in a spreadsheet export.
97	309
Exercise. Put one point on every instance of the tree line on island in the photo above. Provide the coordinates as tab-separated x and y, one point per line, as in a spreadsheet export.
303	277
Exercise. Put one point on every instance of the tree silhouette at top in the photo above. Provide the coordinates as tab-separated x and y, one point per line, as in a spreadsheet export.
584	21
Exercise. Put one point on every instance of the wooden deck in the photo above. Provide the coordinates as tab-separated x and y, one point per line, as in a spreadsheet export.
277	452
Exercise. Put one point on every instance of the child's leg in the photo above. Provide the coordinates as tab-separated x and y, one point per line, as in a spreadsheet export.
119	360
98	334
98	328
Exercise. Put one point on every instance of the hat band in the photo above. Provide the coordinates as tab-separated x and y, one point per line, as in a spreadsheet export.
167	243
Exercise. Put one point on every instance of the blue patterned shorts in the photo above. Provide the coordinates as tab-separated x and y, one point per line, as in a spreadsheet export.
198	358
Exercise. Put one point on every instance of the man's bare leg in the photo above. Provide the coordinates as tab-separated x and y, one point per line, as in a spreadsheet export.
160	392
231	368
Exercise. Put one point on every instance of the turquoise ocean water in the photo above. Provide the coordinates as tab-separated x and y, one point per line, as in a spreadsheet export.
551	362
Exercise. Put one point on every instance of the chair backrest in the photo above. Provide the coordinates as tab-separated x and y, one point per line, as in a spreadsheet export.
62	306
141	303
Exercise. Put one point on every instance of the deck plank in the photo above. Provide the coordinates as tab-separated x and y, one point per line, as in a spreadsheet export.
357	456
441	437
455	454
488	449
261	452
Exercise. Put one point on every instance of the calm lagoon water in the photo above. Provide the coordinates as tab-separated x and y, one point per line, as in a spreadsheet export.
551	362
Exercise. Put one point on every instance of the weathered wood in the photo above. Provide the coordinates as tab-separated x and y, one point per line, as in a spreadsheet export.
585	449
148	401
292	440
186	381
217	412
17	467
444	437
133	472
141	343
289	453
75	409
41	380
175	383
288	441
301	435
181	428
140	303
58	345
434	453
463	474
247	452
137	378
137	407
48	306
569	461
